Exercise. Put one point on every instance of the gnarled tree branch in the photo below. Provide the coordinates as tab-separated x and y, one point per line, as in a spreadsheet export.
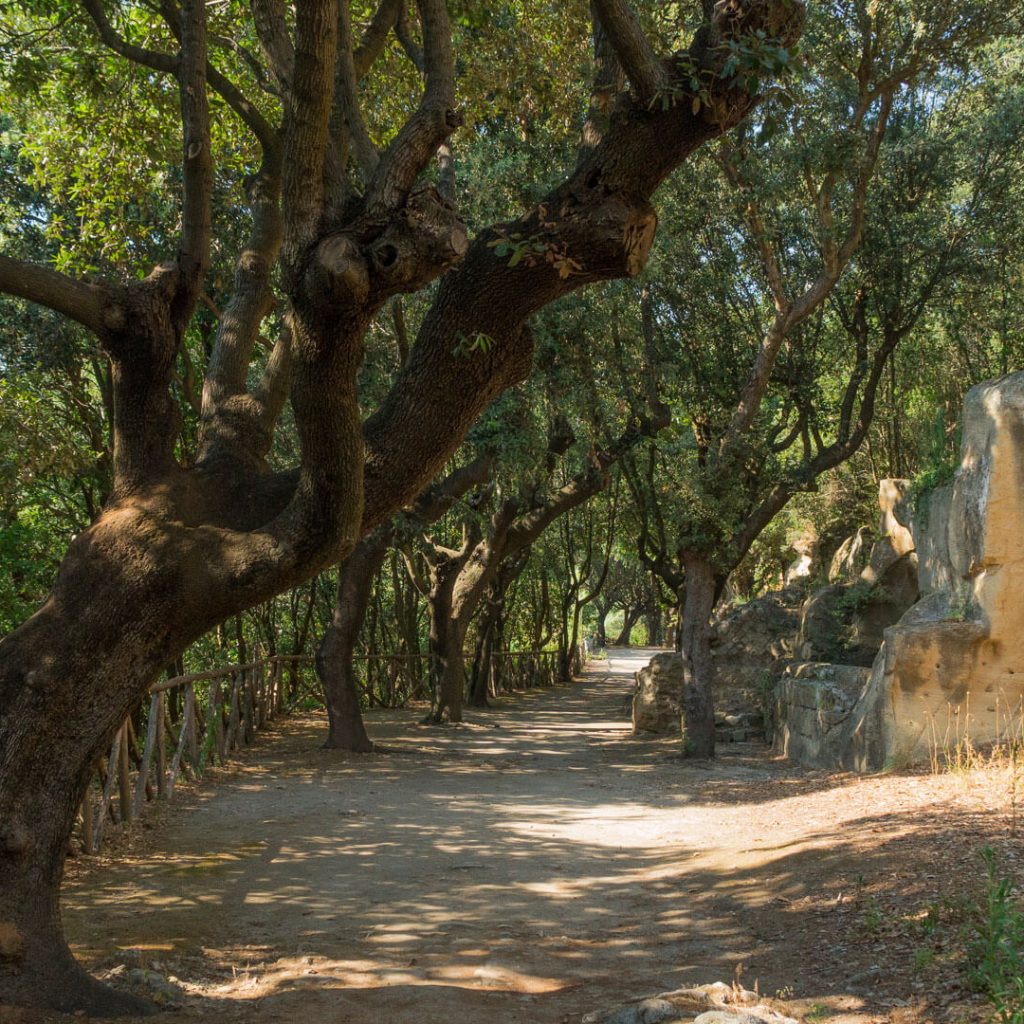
644	68
94	306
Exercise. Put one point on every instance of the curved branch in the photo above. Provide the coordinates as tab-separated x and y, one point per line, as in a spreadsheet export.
434	120
93	306
639	60
307	116
372	44
276	43
608	83
412	49
247	113
197	158
599	218
346	119
116	42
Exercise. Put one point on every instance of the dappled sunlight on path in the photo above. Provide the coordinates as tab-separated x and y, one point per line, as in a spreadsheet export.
532	864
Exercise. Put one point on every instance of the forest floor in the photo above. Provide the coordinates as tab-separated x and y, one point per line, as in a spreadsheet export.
539	863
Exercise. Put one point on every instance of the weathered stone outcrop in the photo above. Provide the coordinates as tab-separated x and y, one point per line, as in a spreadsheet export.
851	558
873	581
935	570
954	663
751	642
658	697
896	511
813	704
805	564
845	622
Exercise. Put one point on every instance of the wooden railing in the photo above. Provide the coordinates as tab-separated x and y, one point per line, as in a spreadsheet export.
193	722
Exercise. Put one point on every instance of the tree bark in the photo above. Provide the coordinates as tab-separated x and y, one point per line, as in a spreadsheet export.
483	656
654	619
49	740
700	594
447	635
335	657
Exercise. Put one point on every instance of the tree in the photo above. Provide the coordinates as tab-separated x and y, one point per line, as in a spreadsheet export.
825	261
338	227
336	653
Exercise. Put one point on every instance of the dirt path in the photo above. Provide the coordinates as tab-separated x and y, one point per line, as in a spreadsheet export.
531	866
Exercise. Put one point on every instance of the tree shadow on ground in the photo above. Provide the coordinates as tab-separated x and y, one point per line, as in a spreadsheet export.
534	871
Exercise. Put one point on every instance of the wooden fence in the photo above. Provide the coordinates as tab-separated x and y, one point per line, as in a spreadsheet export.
190	723
196	721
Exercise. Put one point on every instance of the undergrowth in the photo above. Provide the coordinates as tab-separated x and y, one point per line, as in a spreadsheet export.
995	952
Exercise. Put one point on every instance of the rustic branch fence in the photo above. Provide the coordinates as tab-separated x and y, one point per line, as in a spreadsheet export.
189	724
193	722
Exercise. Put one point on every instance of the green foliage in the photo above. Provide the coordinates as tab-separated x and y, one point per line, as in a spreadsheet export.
465	347
996	951
853	598
939	466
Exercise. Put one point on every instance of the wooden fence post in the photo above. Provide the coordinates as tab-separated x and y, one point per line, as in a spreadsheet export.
88	840
182	740
217	710
233	716
191	720
161	750
147	753
108	791
124	779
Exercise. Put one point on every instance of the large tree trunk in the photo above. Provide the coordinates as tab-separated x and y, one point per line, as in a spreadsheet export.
68	678
335	658
447	635
449	671
480	677
700	593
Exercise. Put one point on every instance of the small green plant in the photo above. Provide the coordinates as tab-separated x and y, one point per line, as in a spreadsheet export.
817	1012
873	916
923	959
466	346
939	469
960	604
995	954
854	598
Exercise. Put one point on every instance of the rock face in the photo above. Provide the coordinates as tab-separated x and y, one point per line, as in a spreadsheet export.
813	704
953	665
805	563
750	645
851	559
896	515
873	581
935	566
845	622
750	641
658	697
